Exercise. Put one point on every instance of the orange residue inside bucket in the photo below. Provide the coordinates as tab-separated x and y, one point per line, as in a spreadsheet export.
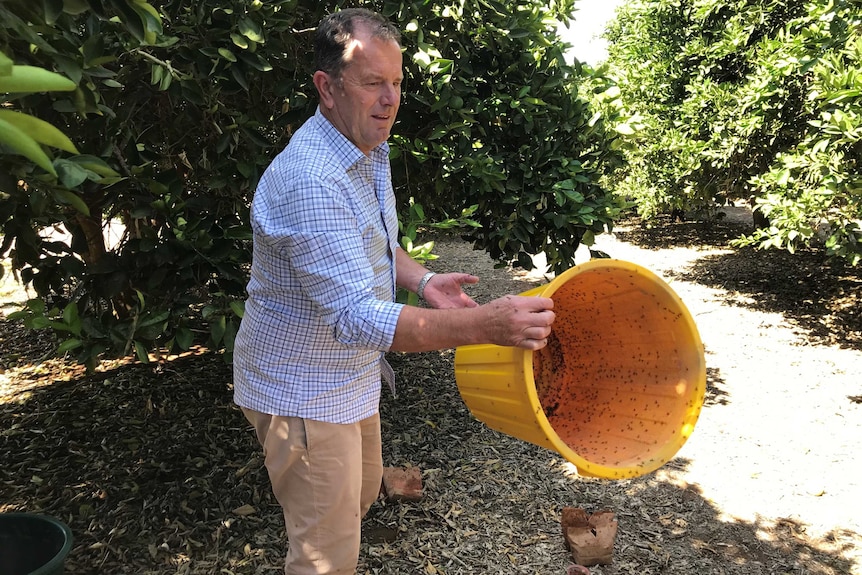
619	386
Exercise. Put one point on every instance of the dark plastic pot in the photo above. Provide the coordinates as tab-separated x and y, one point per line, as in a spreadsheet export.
32	544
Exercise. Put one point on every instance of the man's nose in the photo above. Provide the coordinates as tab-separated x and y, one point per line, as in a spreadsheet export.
391	95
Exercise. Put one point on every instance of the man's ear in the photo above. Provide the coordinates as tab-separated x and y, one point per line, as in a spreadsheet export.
326	85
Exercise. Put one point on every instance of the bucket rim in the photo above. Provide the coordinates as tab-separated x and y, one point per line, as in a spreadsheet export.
667	452
68	539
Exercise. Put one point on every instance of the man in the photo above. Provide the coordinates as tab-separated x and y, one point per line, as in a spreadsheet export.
321	313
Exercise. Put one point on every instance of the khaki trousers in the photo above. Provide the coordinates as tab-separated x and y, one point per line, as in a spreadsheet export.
325	476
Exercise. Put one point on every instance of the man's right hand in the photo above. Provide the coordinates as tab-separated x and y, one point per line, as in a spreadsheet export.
512	320
520	321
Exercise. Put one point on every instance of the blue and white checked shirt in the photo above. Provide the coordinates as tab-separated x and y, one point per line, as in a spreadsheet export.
320	309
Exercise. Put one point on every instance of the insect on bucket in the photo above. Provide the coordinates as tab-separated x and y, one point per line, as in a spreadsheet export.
619	387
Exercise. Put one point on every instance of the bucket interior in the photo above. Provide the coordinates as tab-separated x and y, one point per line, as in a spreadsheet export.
33	544
622	379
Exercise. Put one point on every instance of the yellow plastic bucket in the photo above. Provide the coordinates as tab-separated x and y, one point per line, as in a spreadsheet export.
619	387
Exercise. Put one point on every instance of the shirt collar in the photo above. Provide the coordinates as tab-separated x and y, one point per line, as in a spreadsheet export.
346	151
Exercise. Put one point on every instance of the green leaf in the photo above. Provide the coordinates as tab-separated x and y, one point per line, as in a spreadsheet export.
150	18
255	137
71	175
438	133
53	9
39	130
5	65
238	307
251	30
33	79
256	61
185	338
230	335
227	54
73	199
68	345
154	319
20	143
422	58
238	233
70	313
95	165
133	21
239	76
165	83
37	306
76	7
238	40
217	329
141	352
38	322
19	314
157	72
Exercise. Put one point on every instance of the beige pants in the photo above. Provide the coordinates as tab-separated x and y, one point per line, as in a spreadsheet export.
325	476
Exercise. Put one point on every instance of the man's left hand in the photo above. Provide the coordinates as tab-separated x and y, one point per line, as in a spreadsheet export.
443	291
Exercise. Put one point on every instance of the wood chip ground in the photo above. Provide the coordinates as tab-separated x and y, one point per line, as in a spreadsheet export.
157	472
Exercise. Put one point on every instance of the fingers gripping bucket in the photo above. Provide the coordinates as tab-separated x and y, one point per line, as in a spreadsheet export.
618	388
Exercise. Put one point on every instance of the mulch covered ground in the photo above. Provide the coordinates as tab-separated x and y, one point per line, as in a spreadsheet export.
157	472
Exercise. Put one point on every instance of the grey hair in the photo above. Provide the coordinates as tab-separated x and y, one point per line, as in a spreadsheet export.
337	29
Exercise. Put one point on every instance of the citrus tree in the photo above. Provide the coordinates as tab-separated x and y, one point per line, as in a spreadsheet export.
170	137
758	101
176	108
494	119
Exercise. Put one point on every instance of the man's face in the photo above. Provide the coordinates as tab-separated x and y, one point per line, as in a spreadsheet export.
363	102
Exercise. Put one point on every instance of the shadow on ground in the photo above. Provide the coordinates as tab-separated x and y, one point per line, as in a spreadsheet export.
715	394
156	472
822	296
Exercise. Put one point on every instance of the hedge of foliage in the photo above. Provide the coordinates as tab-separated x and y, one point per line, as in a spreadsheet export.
752	100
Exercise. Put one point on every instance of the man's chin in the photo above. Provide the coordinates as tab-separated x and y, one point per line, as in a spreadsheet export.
382	136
